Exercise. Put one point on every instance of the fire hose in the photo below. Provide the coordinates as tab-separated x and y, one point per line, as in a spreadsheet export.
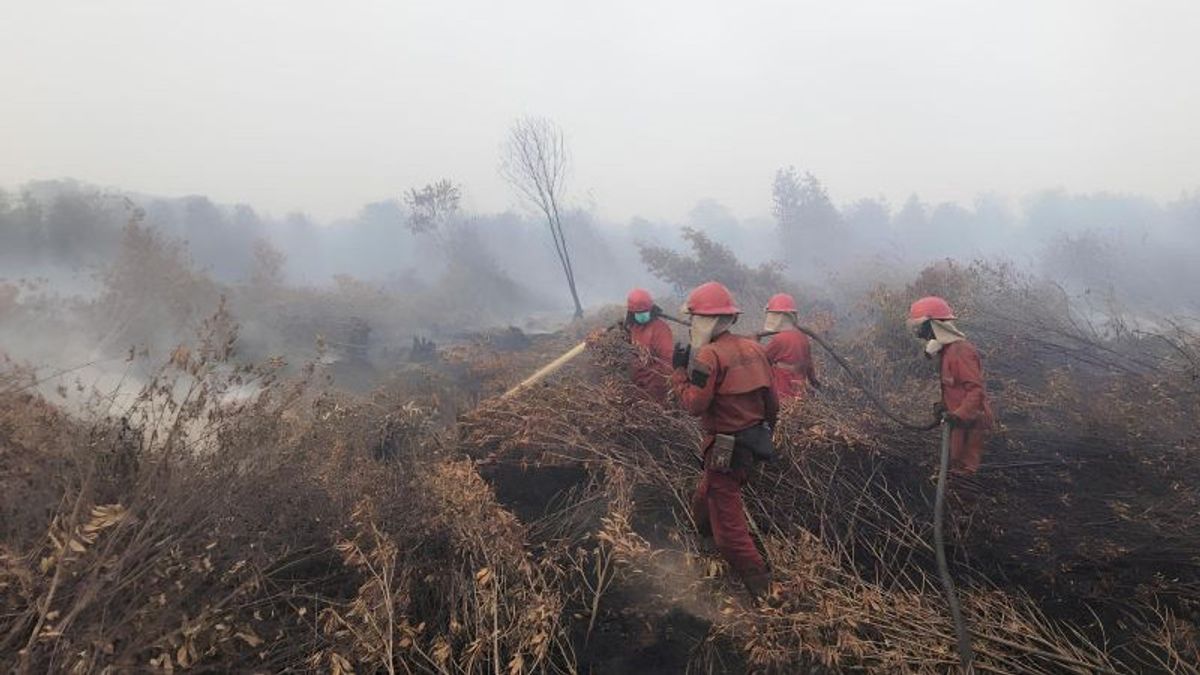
557	364
965	653
875	400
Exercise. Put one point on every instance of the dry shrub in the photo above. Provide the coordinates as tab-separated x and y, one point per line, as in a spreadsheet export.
150	285
899	622
163	538
35	454
492	607
1052	543
233	520
828	617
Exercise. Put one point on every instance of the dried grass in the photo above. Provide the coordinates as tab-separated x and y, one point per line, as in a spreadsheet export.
238	518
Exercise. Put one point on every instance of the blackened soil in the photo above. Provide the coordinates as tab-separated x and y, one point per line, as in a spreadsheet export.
636	630
531	492
629	641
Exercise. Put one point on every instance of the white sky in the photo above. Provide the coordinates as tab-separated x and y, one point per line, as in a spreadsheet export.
323	106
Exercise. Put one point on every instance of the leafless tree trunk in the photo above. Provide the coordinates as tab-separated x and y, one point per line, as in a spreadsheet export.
433	211
535	162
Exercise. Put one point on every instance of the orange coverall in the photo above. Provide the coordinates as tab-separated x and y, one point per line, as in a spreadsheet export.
790	354
738	394
965	398
651	370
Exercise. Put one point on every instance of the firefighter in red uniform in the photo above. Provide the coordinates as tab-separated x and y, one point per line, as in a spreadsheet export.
789	350
651	370
728	385
964	403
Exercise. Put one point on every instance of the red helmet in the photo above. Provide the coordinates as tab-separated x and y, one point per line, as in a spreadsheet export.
711	299
781	302
931	307
639	300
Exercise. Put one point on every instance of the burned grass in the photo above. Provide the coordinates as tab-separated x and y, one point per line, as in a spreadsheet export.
255	519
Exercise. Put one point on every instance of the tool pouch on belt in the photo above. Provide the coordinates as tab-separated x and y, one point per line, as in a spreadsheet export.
757	443
720	455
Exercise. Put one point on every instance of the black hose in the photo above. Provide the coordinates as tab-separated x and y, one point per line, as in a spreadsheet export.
668	317
849	371
864	388
845	366
965	655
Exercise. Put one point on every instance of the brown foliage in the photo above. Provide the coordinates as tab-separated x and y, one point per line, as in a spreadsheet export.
235	518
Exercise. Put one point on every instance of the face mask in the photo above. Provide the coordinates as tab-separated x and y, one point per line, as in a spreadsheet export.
932	348
705	329
641	317
778	321
939	334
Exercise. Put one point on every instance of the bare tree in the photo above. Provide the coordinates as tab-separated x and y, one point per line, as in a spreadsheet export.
432	210
535	163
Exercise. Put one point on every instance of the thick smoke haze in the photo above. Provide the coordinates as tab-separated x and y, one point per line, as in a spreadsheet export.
1129	246
161	157
321	107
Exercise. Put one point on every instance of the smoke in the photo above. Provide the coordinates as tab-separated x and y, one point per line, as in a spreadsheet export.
88	274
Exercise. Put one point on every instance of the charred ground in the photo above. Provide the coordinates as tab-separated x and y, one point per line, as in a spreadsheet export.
234	513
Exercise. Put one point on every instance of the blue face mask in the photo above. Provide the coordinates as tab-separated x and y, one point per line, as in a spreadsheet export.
641	317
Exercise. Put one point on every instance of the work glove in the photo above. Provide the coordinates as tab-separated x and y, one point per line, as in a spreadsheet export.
940	412
681	357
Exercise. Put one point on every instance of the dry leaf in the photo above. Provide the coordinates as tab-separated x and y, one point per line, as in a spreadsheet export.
483	576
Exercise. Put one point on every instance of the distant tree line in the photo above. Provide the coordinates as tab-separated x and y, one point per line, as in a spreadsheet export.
1138	248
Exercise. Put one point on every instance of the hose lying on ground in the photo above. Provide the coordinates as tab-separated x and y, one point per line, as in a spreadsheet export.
965	654
864	388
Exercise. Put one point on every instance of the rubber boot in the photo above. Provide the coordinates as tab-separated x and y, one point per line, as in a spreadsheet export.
758	585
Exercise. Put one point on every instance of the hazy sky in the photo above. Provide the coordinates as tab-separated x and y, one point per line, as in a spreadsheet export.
323	106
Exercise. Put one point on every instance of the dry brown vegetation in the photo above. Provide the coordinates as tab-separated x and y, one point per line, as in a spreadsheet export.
238	517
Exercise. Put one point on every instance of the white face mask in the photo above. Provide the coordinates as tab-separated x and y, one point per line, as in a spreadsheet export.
705	328
777	321
944	333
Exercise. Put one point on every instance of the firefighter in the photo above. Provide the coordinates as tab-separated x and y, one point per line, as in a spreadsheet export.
728	385
651	370
964	405
789	350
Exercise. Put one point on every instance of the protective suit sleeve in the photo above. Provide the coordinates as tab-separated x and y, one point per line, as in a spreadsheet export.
696	399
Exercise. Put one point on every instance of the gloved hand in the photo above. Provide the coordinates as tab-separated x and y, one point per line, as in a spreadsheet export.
939	410
682	356
952	419
816	384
